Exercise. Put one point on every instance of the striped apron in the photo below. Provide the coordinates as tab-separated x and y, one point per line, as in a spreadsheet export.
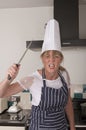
50	113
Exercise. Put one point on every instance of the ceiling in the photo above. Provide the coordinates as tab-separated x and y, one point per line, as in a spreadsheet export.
24	3
28	3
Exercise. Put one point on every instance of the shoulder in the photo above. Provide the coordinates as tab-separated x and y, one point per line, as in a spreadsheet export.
37	74
37	79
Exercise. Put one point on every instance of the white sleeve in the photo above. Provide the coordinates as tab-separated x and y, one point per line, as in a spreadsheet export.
26	82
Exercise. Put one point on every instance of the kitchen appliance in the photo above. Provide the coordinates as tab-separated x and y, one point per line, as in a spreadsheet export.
71	17
12	116
79	106
14	108
83	111
21	118
3	104
69	14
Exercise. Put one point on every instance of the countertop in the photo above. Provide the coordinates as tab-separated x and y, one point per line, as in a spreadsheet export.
77	114
5	121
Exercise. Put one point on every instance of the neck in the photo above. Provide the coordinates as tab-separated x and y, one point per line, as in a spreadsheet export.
51	76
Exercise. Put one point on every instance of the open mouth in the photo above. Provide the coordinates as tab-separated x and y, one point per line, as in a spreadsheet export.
51	66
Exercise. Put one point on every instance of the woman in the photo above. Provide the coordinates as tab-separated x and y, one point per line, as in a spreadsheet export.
49	86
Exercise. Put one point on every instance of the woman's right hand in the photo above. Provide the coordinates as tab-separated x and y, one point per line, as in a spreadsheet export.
12	72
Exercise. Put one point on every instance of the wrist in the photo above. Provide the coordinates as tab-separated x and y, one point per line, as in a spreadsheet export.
72	128
6	81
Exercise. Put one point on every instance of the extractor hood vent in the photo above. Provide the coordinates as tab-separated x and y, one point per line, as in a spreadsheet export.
66	12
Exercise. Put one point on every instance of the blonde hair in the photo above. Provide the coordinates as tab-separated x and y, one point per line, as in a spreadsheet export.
55	52
61	68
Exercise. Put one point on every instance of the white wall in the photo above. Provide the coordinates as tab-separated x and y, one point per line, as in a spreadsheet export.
16	27
75	62
19	25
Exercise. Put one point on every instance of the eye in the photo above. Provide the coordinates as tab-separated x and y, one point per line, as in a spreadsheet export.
56	56
47	56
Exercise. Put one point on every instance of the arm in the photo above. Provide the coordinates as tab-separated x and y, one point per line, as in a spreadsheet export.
70	113
6	88
69	107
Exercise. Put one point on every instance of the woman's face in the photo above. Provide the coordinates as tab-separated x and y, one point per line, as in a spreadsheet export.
51	61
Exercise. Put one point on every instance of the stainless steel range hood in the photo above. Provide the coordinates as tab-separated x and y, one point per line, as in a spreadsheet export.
69	25
68	14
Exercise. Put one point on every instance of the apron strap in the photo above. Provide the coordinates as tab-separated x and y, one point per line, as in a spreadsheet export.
43	77
62	79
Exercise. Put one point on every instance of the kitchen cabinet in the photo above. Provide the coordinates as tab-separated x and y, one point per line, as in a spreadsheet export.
11	128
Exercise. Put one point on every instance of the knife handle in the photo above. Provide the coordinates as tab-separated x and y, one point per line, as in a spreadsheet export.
9	77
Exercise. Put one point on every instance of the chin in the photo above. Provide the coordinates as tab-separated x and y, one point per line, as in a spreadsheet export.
52	71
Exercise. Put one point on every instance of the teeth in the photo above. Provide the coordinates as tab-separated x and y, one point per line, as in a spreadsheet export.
51	65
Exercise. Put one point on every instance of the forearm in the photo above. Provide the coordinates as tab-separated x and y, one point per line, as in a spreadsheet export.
70	114
3	87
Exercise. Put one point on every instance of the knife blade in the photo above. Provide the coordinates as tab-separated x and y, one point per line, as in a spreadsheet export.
9	77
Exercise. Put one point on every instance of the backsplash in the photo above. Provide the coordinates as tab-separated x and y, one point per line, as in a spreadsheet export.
25	100
78	91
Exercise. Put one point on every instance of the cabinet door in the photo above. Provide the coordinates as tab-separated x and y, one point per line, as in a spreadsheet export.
11	128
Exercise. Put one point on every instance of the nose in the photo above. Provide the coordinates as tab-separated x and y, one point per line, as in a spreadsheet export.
52	58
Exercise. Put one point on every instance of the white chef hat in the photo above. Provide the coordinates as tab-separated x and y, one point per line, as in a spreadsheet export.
52	37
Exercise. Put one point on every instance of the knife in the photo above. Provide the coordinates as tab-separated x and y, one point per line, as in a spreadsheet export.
9	77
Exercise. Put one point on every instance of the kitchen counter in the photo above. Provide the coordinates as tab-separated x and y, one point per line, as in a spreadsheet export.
4	121
7	119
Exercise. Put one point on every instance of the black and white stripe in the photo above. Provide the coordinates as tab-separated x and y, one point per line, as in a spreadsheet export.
49	114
